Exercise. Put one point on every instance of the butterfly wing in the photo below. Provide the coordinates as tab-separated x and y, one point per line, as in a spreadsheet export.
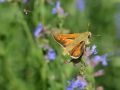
78	50
64	39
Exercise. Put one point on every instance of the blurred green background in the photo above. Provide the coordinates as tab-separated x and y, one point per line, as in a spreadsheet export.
23	65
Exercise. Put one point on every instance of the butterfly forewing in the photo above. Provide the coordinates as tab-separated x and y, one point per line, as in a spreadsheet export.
64	39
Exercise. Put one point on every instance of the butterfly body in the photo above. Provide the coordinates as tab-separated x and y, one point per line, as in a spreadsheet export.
73	44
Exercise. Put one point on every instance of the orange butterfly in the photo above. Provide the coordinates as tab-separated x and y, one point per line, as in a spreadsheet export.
73	44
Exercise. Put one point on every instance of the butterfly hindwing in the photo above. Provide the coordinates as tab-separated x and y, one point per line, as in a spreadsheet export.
78	50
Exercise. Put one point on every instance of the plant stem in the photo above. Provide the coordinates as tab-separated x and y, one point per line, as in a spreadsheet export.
42	11
87	72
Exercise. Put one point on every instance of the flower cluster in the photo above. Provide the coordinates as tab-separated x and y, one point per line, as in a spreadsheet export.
97	58
58	9
90	51
79	84
103	59
92	59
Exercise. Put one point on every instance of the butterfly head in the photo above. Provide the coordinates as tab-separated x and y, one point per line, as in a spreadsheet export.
88	36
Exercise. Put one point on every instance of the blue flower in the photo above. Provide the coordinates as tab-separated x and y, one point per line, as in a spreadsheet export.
102	59
38	30
54	11
70	87
90	51
1	1
77	84
94	51
51	54
81	5
57	9
97	58
25	1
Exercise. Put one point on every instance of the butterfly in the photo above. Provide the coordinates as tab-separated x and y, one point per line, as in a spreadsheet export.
73	44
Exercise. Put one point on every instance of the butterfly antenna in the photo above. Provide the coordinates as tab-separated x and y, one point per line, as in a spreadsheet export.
97	35
88	27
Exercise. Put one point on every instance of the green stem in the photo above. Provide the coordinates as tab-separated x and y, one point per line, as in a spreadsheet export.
61	23
42	11
87	72
27	30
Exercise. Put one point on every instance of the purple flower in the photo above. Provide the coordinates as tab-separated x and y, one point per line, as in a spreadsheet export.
102	59
81	5
94	51
90	51
51	54
70	87
97	59
80	84
25	1
1	1
38	30
99	73
57	9
54	11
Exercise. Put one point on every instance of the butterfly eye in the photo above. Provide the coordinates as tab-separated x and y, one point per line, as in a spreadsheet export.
89	36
